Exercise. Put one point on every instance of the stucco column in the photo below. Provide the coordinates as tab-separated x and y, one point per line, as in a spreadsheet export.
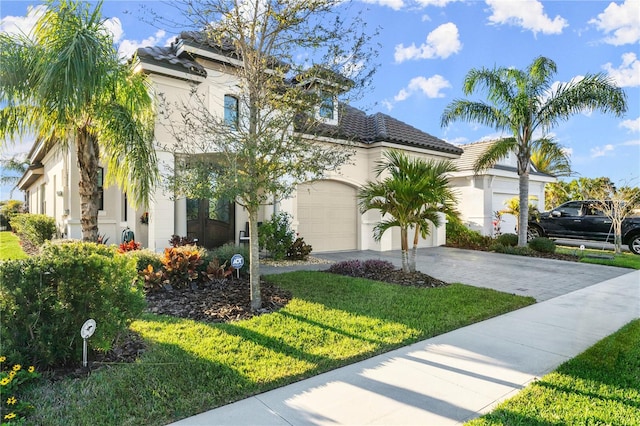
162	211
180	226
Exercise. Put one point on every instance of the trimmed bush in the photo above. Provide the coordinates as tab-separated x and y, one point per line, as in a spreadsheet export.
34	229
517	250
507	239
458	235
8	209
276	235
298	250
542	245
224	254
46	299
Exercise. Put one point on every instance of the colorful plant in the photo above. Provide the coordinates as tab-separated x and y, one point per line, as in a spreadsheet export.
298	250
180	265
12	407
178	241
129	246
216	272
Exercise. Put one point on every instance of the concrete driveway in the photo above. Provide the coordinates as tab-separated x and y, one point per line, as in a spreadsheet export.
542	279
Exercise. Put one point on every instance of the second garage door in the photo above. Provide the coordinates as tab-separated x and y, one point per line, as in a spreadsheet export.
328	215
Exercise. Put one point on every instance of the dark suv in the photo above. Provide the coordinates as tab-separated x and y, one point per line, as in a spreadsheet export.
583	220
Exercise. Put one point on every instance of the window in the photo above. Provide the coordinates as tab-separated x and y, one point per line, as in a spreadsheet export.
231	111
100	188
326	106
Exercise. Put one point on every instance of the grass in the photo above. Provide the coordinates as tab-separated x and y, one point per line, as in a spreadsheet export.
600	386
603	257
190	367
10	246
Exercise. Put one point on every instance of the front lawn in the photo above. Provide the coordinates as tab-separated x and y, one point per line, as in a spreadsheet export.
599	387
603	257
190	367
10	246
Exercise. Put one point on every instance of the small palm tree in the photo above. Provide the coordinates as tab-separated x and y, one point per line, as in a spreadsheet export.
12	170
512	207
522	103
412	194
65	83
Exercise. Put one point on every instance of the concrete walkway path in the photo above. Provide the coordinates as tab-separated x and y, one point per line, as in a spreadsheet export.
457	376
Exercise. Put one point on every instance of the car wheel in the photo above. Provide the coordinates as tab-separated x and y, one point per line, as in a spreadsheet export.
634	244
533	232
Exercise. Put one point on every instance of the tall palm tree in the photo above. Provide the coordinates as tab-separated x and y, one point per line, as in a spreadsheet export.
549	157
522	103
412	194
65	84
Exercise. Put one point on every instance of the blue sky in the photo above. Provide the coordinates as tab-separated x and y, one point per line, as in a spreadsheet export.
428	46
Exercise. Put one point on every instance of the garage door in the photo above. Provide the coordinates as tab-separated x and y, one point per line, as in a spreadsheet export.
328	215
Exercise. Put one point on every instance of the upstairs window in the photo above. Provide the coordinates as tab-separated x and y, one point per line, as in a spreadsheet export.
231	111
327	105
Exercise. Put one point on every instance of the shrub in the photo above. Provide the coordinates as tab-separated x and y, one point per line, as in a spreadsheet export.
298	250
507	239
46	299
178	241
542	245
350	268
34	229
129	246
224	254
8	209
517	250
373	267
145	258
216	272
458	235
276	235
181	266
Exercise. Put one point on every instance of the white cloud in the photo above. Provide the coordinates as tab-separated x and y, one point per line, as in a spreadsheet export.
393	4
441	43
436	3
621	22
628	73
22	24
632	125
601	151
388	105
528	14
431	87
114	26
128	47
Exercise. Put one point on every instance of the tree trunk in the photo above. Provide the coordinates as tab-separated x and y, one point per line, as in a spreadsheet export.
404	245
254	260
88	154
414	250
523	217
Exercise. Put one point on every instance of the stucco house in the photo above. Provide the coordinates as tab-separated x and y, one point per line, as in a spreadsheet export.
482	194
324	212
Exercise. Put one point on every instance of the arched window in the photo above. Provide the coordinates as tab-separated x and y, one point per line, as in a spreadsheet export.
231	110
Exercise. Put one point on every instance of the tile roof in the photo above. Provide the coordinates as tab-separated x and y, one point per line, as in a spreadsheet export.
355	125
166	56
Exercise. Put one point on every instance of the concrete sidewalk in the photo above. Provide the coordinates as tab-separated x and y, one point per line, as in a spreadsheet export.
450	378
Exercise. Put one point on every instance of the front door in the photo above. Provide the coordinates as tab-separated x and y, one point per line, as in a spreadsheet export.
211	222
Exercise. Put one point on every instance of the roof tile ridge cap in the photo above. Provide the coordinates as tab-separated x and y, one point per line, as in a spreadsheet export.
380	125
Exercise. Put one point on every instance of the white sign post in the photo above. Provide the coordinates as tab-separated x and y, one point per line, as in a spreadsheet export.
87	330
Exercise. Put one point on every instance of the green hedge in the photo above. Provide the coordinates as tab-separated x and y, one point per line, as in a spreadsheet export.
44	300
35	229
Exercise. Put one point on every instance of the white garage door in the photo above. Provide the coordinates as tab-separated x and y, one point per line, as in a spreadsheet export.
327	215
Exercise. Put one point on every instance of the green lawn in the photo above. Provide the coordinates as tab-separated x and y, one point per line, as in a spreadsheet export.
603	257
10	246
191	367
599	387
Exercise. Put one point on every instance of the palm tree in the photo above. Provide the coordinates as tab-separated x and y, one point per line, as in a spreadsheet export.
65	84
12	170
412	194
523	103
549	157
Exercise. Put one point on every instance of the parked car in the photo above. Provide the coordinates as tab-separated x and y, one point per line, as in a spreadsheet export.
585	221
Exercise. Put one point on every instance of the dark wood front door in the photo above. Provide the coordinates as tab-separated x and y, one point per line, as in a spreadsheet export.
211	222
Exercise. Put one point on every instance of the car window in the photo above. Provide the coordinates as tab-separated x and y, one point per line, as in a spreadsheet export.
570	209
593	209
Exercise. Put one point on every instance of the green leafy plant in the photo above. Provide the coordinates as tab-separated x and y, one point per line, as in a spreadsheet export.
458	235
225	253
542	245
299	250
181	265
276	235
507	239
13	408
46	299
8	209
517	250
34	229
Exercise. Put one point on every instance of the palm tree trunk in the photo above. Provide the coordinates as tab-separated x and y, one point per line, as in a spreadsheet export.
523	217
254	260
414	250
88	154
404	245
